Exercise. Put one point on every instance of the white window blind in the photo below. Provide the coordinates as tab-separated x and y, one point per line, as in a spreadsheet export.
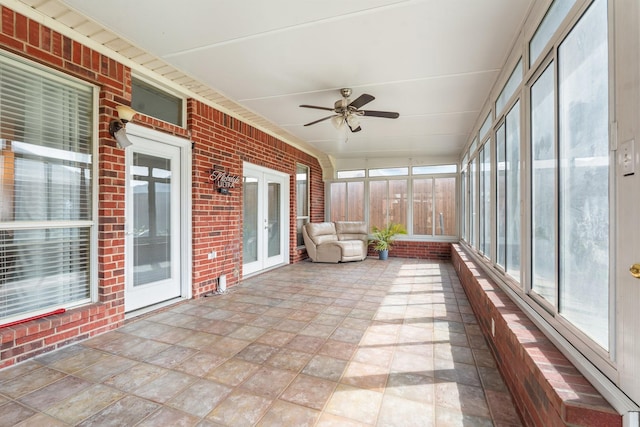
46	155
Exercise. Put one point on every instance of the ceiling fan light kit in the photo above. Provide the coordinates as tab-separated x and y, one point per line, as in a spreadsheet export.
337	121
353	123
347	111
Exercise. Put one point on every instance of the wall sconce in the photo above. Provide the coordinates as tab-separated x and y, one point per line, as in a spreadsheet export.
117	127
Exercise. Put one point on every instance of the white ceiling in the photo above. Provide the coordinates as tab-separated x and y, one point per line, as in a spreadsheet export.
433	61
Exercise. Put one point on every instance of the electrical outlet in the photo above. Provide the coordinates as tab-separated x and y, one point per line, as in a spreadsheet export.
212	255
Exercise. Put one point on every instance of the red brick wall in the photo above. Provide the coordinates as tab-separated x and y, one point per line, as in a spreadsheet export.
38	43
420	250
220	140
547	389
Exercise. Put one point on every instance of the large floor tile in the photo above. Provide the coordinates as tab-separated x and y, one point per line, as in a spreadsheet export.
386	344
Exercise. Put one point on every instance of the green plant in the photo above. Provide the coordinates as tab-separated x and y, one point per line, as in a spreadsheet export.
384	237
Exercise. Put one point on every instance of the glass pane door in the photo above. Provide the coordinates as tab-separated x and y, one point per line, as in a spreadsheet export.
250	222
151	187
265	219
153	235
273	203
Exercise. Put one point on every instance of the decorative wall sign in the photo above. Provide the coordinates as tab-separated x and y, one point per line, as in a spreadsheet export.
223	180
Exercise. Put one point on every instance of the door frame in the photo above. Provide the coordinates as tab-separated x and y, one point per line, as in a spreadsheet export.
627	293
185	274
285	212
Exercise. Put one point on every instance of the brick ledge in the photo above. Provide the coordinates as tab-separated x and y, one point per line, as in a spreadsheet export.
547	389
26	340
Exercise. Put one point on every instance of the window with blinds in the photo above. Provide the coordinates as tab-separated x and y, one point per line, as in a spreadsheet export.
302	201
46	182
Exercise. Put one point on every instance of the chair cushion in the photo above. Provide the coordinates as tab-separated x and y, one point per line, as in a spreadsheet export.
322	232
351	230
351	249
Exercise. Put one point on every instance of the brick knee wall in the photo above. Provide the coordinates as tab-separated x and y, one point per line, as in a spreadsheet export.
547	389
419	250
29	339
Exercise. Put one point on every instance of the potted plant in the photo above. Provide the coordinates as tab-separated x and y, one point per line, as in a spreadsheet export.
383	238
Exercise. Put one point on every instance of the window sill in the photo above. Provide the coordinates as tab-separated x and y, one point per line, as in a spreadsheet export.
546	386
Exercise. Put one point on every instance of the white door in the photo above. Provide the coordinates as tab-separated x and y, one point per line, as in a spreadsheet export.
265	219
153	229
628	286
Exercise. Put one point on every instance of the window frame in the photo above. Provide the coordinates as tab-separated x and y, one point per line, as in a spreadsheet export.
517	282
389	200
305	215
408	178
351	174
349	216
164	90
603	359
92	224
485	201
464	202
433	178
474	186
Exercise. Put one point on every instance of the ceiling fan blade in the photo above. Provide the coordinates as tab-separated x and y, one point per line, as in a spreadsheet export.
385	114
358	129
362	100
317	108
319	120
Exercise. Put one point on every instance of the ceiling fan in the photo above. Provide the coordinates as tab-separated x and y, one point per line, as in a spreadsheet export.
347	111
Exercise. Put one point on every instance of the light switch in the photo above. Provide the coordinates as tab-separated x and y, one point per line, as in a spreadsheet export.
628	157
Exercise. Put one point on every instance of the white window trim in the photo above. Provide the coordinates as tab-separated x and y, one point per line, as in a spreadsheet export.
31	66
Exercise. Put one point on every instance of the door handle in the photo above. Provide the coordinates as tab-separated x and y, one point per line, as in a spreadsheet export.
635	271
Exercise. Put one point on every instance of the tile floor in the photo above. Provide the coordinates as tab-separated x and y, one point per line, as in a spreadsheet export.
372	343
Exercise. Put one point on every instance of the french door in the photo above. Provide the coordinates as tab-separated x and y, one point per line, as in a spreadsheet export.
155	240
628	264
265	219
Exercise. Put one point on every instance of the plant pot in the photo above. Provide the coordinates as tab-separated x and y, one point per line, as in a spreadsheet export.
384	254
